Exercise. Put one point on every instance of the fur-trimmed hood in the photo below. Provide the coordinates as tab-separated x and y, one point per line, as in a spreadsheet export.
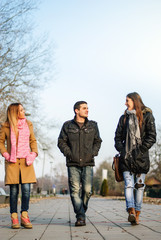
146	109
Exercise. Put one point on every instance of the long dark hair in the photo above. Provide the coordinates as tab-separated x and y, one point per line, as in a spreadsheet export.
138	106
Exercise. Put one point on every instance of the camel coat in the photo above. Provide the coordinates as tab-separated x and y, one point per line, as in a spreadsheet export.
18	172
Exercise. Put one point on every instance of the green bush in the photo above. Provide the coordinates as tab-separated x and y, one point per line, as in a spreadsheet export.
154	193
104	188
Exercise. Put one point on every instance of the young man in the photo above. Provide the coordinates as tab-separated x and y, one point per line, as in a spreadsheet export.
79	141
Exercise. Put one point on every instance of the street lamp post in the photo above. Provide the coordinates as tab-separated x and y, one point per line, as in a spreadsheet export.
51	169
51	176
44	149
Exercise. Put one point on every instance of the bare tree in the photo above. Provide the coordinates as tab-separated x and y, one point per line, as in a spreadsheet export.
60	179
155	157
24	61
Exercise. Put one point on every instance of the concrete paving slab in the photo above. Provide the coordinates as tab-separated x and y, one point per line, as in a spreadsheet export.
106	219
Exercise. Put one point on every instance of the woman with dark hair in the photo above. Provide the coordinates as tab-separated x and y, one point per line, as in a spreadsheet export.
134	136
19	155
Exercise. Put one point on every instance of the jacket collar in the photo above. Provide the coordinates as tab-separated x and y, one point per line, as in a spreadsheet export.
5	124
146	109
86	121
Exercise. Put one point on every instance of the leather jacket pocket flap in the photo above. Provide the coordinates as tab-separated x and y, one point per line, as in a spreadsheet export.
73	130
88	130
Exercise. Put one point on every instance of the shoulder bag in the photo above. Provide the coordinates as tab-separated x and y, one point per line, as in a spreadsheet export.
115	167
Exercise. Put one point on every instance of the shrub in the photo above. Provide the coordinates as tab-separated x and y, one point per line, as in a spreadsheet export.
104	188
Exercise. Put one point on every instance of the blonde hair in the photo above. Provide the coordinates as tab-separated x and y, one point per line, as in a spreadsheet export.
12	116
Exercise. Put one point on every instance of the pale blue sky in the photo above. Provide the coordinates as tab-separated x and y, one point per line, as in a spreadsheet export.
103	50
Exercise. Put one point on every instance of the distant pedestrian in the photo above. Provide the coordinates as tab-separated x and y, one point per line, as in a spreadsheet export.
134	136
79	141
19	154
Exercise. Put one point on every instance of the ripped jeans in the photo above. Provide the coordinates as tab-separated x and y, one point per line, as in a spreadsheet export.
80	185
134	189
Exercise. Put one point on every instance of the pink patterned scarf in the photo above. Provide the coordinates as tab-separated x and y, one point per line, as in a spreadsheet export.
22	150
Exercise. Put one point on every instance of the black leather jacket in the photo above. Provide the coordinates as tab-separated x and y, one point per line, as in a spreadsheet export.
79	145
141	163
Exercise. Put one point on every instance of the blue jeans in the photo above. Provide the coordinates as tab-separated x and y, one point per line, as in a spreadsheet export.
25	197
134	189
80	186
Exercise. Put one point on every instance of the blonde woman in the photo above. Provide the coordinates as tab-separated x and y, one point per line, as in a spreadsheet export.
19	152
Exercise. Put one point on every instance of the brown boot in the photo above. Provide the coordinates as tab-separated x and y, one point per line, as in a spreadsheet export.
132	216
25	221
14	219
137	217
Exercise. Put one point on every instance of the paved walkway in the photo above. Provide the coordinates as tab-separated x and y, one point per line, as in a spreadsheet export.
106	219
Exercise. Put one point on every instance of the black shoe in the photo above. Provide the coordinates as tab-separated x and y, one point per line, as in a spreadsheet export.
80	222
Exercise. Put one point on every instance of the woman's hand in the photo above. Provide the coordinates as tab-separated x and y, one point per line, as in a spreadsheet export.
6	156
30	158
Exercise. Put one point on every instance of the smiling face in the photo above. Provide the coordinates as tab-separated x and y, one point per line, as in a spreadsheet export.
129	103
21	112
82	112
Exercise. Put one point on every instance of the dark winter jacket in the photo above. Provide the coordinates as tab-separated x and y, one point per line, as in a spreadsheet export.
139	163
79	145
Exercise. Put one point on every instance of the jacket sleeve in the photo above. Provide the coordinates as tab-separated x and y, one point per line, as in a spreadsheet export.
2	140
97	141
150	134
63	142
119	135
33	142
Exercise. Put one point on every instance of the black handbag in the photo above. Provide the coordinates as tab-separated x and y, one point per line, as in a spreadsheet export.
116	168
